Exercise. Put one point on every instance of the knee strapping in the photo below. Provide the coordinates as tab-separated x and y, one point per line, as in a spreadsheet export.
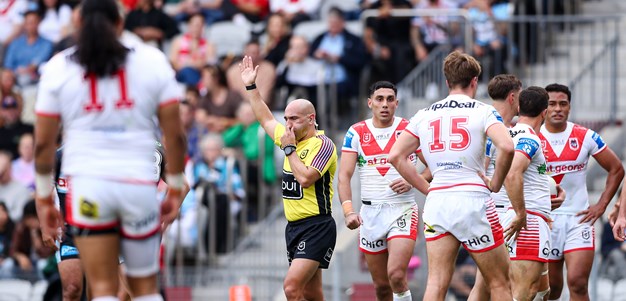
539	296
141	257
404	296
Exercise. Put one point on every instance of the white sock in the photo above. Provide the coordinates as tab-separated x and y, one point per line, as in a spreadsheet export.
153	297
539	296
404	296
106	298
557	299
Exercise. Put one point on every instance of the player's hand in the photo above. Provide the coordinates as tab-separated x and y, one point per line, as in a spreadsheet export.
248	70
560	197
49	218
485	179
513	230
592	213
400	185
49	241
618	228
613	215
289	137
353	220
169	207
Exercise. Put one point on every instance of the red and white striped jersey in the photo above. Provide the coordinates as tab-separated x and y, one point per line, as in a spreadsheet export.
372	146
109	123
567	154
452	135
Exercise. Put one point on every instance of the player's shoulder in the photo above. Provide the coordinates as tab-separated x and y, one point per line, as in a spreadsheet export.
60	61
147	56
359	126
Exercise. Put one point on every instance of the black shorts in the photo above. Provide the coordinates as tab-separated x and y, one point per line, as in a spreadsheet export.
67	248
312	238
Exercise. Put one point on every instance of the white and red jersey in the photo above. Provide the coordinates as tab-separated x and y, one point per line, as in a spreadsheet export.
452	135
11	15
536	189
108	122
567	154
372	146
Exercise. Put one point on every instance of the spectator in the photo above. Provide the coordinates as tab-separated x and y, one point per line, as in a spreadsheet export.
344	55
11	126
253	10
267	72
55	16
210	9
296	11
388	41
487	43
192	95
28	51
6	234
218	104
212	170
429	32
299	72
27	247
193	129
11	19
23	168
278	36
245	135
150	23
613	255
12	193
191	51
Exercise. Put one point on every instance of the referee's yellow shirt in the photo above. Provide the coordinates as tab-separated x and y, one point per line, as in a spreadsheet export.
318	152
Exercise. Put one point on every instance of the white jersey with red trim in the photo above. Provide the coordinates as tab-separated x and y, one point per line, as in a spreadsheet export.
452	135
567	154
372	146
536	189
108	122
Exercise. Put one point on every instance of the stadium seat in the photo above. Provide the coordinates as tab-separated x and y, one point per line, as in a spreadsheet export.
310	29
228	37
15	290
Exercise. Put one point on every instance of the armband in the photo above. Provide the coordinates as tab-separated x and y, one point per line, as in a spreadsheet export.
43	185
175	181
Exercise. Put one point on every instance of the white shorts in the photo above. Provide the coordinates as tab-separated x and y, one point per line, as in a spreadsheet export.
102	206
469	216
569	235
533	243
383	222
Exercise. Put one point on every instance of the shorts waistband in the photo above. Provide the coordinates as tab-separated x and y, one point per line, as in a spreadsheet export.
315	218
366	202
499	206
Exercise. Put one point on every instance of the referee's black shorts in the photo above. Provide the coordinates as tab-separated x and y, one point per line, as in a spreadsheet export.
312	238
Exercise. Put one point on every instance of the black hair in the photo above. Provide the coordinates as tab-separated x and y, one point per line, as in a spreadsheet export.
41	7
560	88
382	85
502	85
30	209
532	101
98	49
336	11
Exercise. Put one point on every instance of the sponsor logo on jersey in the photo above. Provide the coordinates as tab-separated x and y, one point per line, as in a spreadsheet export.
401	222
292	190
573	143
450	165
477	241
428	229
367	137
303	154
371	244
68	251
596	137
541	169
88	209
329	254
566	168
453	104
301	247
360	161
586	235
147	222
546	249
515	133
347	140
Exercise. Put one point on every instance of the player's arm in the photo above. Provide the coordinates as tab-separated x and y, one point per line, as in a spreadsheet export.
514	183
400	151
261	110
504	144
346	171
612	164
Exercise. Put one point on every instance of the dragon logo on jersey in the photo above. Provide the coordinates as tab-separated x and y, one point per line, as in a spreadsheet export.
573	143
541	169
88	209
303	154
367	137
360	161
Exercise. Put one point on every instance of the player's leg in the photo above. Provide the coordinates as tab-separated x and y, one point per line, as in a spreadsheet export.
479	291
579	265
400	252
441	254
123	292
524	273
494	265
555	274
99	263
558	236
71	279
300	273
542	286
377	266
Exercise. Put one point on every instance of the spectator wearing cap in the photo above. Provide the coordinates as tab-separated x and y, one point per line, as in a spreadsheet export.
28	51
11	126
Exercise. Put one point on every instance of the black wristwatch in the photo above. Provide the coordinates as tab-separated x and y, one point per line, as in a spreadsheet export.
289	149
